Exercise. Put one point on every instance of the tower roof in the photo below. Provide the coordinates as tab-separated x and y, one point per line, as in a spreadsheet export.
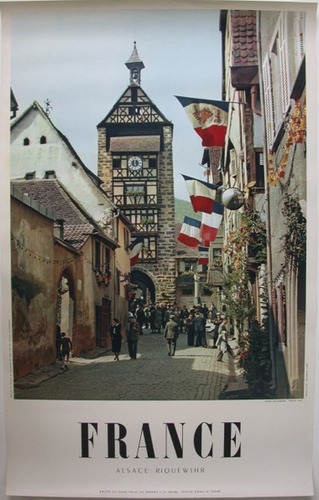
135	65
135	58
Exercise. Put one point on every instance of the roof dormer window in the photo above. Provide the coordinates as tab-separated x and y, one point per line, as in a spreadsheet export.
50	174
29	176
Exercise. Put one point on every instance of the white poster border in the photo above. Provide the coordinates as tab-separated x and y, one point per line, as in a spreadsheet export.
44	436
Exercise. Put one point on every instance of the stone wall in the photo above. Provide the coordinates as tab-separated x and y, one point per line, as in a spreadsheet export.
165	268
162	272
33	294
104	165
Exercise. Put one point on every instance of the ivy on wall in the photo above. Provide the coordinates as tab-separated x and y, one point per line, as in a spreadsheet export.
246	248
296	132
294	246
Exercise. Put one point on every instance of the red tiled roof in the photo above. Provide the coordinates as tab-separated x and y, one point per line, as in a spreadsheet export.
50	194
135	143
243	25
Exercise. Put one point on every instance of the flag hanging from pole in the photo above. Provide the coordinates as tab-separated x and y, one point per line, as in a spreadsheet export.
189	234
202	194
203	256
135	249
208	118
210	224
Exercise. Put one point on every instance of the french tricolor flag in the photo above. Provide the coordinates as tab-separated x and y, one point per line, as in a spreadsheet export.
189	234
202	194
208	118
135	249
210	224
202	256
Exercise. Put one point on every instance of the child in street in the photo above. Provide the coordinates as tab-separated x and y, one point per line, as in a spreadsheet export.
66	347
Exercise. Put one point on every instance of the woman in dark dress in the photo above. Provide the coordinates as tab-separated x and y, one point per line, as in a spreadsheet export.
189	329
116	338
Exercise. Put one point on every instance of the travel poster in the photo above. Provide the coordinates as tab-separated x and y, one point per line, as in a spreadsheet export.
160	211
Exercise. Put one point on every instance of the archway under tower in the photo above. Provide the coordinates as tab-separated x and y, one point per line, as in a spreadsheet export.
143	286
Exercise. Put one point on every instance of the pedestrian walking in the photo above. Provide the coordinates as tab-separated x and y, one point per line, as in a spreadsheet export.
168	311
140	317
158	319
153	317
132	335
171	335
199	329
183	317
217	322
209	330
66	348
223	338
116	338
189	329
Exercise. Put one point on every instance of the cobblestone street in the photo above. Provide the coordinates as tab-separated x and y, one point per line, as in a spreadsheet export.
192	374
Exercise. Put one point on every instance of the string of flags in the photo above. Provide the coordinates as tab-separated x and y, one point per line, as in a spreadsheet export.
193	232
209	119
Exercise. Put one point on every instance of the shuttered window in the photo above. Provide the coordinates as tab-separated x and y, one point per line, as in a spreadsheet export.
283	62
269	103
233	163
300	37
276	81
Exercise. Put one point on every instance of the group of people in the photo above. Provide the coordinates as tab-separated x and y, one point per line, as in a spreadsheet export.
171	321
132	331
192	323
195	328
152	318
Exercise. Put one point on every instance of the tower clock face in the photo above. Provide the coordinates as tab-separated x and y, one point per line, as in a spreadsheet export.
135	163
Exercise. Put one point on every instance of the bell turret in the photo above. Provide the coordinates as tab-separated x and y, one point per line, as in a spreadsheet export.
135	65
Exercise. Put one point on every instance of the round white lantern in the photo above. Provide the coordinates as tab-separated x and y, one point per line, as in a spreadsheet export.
233	198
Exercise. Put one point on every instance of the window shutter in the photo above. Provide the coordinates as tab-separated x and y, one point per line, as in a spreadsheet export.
300	36
283	62
268	103
233	163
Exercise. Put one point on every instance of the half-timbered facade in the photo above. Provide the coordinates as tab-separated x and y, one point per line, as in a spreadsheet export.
135	165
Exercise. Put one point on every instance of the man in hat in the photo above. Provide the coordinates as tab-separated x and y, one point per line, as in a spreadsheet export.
171	334
200	329
132	335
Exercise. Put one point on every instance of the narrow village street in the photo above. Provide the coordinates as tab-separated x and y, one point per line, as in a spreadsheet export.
192	374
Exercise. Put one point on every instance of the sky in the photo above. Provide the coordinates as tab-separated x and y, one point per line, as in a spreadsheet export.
75	57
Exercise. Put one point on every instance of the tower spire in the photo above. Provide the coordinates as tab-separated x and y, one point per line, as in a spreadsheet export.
135	65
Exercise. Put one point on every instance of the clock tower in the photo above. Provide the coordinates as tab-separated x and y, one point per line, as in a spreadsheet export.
135	164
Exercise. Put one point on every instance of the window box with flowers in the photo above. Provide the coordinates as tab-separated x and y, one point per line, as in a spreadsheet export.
135	197
103	278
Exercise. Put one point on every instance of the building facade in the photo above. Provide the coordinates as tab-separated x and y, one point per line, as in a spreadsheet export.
282	69
264	157
242	167
88	290
135	163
